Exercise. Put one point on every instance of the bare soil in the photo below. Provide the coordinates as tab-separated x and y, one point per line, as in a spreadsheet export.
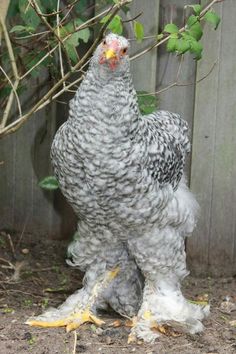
34	275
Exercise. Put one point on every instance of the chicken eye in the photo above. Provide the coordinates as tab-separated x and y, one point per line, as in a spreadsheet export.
124	50
104	42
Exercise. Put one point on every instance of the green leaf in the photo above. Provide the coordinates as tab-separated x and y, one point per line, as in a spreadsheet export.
182	46
196	48
213	18
28	14
73	41
5	91
115	25
13	8
196	8
171	44
192	20
18	28
171	28
148	103
48	6
72	52
138	31
49	183
83	34
174	35
32	58
196	31
160	36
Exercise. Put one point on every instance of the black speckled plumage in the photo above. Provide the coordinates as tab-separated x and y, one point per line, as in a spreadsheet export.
123	175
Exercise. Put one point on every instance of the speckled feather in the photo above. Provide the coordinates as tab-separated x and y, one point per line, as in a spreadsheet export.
123	175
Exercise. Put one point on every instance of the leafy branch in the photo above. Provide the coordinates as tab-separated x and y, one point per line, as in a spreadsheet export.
51	31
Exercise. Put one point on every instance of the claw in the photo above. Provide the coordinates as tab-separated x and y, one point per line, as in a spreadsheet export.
72	322
132	339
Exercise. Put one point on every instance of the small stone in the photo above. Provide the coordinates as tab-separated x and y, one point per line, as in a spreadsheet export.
81	348
99	331
25	251
27	336
109	340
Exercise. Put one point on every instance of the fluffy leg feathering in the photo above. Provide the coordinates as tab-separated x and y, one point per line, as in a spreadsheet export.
111	278
163	302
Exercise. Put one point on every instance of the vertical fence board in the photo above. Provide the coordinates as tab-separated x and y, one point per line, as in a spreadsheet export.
223	218
7	179
172	68
210	108
175	99
213	154
144	68
23	204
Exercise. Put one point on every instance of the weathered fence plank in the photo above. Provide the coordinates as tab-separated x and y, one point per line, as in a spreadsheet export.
213	171
176	99
24	156
23	204
144	68
172	68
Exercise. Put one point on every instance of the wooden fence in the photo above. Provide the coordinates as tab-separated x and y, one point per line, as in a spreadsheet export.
208	105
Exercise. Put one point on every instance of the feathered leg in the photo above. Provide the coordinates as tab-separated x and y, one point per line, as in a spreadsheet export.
111	278
160	254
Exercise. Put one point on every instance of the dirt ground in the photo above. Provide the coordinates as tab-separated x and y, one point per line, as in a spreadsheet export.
34	275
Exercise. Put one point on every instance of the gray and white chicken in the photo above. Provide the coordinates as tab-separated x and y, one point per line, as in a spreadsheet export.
123	175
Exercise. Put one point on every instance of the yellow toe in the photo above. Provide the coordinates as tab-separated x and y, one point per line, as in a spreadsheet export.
71	322
57	323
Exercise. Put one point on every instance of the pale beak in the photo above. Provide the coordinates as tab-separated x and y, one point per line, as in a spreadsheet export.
110	54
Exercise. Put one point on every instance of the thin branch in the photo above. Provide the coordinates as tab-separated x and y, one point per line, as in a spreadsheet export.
82	26
47	97
69	6
10	49
39	62
75	342
16	76
32	35
51	94
10	99
133	18
179	84
65	89
59	47
47	24
158	43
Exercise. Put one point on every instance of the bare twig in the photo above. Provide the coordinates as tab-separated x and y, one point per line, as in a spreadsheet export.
22	233
16	76
10	99
10	49
133	18
3	12
75	342
53	93
59	48
164	40
54	31
32	35
23	292
179	84
8	262
17	270
69	6
47	97
11	245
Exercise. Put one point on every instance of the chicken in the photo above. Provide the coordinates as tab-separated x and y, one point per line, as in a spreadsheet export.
123	175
